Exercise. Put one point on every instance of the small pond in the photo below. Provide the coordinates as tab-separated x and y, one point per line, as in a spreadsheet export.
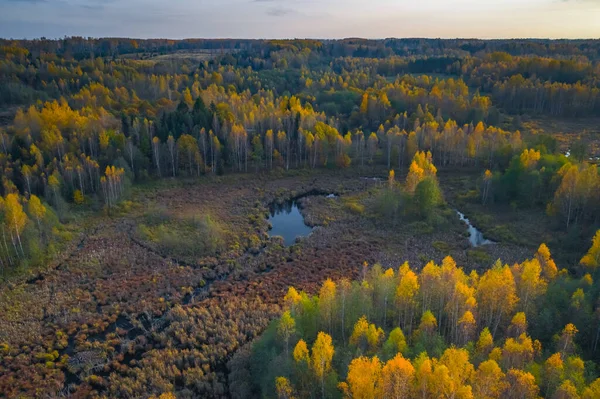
476	237
287	221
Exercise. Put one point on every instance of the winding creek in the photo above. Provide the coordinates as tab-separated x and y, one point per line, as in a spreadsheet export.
476	237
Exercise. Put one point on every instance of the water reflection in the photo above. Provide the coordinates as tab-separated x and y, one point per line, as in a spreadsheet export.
287	222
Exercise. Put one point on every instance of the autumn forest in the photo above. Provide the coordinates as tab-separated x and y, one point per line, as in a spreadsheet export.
398	218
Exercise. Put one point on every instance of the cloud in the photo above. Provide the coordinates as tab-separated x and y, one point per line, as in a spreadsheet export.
280	11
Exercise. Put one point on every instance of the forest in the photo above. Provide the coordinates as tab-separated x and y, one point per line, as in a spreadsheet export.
141	180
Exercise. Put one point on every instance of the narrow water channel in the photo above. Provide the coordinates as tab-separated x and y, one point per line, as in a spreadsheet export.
476	237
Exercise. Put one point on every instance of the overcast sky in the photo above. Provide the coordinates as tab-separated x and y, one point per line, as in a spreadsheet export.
179	19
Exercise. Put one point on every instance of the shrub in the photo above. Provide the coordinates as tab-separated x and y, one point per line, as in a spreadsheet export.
441	246
354	206
503	233
479	256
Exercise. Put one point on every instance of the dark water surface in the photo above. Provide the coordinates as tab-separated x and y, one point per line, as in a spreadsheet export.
287	221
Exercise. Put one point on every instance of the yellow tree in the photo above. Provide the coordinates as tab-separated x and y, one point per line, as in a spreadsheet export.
429	280
37	210
398	376
496	296
283	388
14	220
428	324
517	352
187	146
301	352
518	324
566	390
396	342
366	335
406	296
364	379
466	327
591	260
302	368
292	299
187	98
549	269
485	343
54	183
577	191
520	385
530	285
415	175
460	369
286	328
529	158
385	286
592	391
574	371
566	341
364	105
423	375
488	381
327	303
321	356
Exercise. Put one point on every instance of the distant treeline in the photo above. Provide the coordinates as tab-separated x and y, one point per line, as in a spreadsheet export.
80	47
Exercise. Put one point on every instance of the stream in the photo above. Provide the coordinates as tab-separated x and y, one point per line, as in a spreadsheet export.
476	237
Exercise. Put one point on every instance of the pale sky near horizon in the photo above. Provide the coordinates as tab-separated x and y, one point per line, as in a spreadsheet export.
178	19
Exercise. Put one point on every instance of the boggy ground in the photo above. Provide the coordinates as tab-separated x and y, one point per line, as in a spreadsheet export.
120	316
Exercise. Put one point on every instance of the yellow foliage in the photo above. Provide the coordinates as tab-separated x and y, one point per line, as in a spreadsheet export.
292	298
365	333
529	158
549	268
485	343
283	388
398	375
301	352
322	354
428	323
364	378
78	197
592	258
592	391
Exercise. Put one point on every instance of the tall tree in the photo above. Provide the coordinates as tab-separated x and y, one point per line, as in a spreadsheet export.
321	356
